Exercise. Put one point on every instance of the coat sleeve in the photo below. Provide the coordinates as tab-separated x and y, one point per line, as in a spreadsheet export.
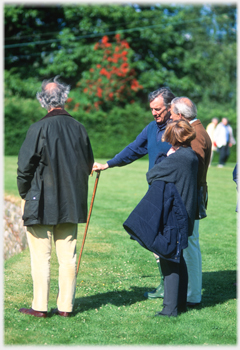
166	170
135	150
28	160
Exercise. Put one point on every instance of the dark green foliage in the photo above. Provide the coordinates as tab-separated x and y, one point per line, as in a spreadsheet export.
109	132
19	115
189	48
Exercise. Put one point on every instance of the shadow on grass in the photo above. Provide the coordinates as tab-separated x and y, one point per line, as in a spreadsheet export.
117	298
218	287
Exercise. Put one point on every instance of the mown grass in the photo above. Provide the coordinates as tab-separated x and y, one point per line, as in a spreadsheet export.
110	308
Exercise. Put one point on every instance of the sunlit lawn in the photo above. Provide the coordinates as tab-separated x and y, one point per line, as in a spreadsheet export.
110	308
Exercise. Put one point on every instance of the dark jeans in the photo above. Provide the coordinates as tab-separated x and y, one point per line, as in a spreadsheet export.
224	153
175	286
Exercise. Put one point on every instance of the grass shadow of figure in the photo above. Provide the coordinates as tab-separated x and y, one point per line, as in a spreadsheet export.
218	287
117	298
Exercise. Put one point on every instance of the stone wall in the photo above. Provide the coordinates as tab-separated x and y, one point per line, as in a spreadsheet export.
15	239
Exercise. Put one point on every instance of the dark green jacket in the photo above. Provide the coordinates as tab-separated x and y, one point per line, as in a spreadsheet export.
54	164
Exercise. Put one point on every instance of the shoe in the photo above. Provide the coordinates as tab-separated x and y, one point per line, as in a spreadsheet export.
182	309
220	166
61	313
163	315
156	293
190	304
33	312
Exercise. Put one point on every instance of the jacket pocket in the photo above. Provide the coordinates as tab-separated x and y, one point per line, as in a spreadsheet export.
166	243
33	202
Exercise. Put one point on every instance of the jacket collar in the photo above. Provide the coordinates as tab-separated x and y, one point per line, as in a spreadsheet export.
56	111
162	126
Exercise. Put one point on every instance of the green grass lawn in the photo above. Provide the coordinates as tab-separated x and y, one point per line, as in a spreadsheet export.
110	308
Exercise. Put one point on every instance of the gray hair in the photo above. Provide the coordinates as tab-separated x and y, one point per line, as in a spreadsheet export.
166	94
54	96
184	106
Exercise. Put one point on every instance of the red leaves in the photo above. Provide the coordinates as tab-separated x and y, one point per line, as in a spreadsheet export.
112	79
125	44
110	95
104	39
99	92
118	37
105	42
103	71
135	86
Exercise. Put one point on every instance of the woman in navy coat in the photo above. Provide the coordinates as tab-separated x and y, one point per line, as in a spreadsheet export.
179	167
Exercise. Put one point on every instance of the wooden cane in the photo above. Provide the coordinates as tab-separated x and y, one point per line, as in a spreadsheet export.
88	219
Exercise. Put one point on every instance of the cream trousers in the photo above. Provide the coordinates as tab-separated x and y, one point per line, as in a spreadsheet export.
40	245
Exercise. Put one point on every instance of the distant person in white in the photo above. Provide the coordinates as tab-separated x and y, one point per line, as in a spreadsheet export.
223	139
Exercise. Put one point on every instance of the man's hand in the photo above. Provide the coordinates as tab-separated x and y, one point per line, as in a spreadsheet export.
99	166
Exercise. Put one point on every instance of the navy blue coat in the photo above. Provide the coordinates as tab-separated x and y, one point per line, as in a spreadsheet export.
159	222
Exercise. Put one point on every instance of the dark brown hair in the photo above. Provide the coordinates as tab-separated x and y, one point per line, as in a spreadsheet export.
179	133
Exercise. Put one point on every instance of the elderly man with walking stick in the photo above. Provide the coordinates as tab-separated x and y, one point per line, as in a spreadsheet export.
54	164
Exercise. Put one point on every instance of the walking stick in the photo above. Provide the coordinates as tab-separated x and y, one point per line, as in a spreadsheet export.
88	219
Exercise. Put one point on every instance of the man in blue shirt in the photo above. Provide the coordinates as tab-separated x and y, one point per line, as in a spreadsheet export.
223	137
149	141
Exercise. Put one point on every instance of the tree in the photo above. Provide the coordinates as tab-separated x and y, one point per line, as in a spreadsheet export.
189	48
111	79
170	45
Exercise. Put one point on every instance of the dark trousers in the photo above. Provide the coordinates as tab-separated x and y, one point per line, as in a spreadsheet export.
175	286
224	153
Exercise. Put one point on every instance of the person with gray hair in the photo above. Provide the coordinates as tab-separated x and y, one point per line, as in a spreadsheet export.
149	141
54	94
184	108
54	163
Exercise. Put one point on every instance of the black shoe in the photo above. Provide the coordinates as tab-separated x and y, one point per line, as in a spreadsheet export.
182	309
161	314
189	304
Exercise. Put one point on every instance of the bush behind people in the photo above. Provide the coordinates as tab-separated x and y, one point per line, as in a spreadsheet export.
109	132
